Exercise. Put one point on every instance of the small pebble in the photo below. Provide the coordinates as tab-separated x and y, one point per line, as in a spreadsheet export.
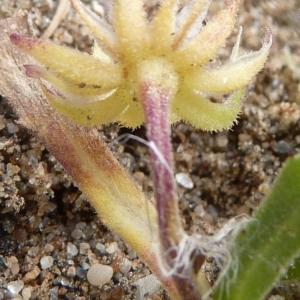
80	272
184	180
12	128
117	293
147	286
85	265
99	274
57	242
15	268
71	272
15	287
208	218
17	297
100	247
19	234
2	145
64	281
132	254
282	147
212	210
72	249
49	247
27	292
112	248
264	188
53	293
31	275
81	225
84	248
46	262
77	234
222	140
33	251
243	209
13	264
126	266
199	210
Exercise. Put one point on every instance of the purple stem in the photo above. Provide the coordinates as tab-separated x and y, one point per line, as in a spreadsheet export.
156	102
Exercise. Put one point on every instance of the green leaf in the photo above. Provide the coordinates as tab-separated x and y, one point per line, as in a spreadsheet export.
294	271
265	246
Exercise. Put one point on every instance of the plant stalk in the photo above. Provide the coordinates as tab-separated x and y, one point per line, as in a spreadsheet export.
156	103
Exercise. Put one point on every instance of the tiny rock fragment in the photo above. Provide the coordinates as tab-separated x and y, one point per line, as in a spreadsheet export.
49	247
117	293
132	254
31	275
99	274
112	248
26	293
184	180
33	251
80	273
147	286
77	234
126	266
71	273
46	262
15	268
100	247
15	287
264	188
12	128
283	147
84	248
19	234
11	260
199	210
57	242
72	249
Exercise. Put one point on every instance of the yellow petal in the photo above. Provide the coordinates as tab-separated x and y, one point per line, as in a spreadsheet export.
174	117
133	116
191	16
78	91
88	113
70	64
131	27
206	115
163	26
98	53
232	76
212	37
101	30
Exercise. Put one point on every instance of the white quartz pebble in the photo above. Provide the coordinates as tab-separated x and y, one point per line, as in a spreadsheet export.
184	180
72	249
112	248
126	266
26	292
46	262
15	287
99	274
147	286
84	248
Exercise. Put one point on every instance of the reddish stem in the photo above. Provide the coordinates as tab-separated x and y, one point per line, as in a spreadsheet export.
156	102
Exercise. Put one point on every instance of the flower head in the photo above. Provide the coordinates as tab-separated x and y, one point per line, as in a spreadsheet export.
172	50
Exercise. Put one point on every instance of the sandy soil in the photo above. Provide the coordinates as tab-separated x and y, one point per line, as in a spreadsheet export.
43	214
